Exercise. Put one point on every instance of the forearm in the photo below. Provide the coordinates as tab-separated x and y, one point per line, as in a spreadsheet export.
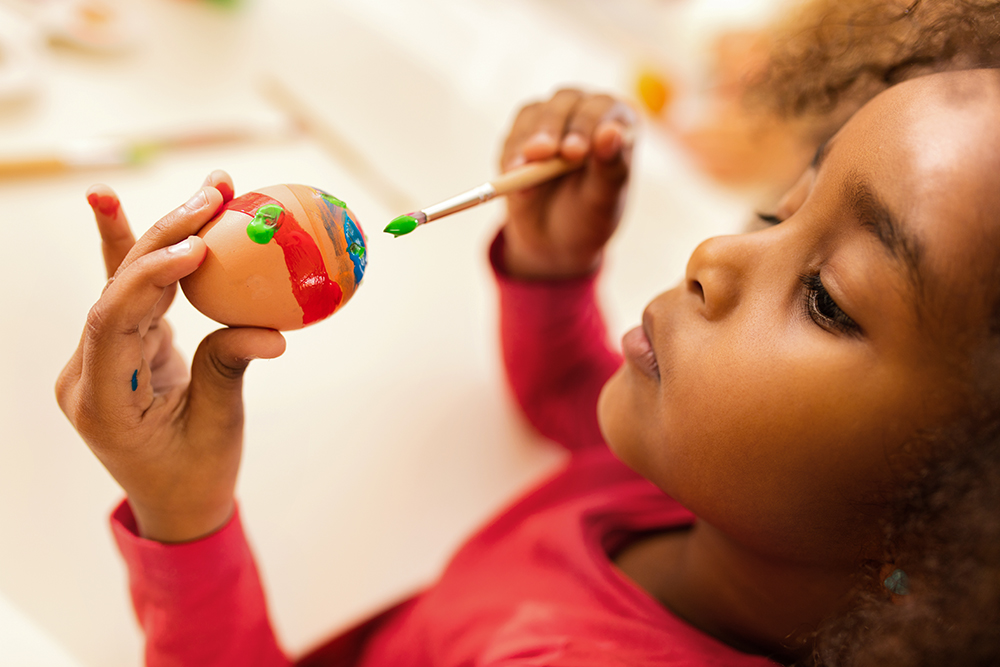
201	602
556	352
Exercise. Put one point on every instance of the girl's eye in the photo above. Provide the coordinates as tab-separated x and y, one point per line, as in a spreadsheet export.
768	218
823	310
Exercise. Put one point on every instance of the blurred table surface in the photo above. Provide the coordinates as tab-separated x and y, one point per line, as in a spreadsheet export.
386	434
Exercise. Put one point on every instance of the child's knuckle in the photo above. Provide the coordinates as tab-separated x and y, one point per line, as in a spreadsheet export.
229	371
567	94
97	321
164	225
528	113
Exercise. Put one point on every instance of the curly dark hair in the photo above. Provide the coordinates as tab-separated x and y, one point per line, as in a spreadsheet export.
943	529
944	532
831	56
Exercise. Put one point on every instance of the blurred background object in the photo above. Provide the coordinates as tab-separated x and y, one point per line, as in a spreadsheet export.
102	26
107	152
382	102
20	57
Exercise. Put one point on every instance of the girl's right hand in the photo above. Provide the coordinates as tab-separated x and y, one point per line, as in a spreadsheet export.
559	229
173	440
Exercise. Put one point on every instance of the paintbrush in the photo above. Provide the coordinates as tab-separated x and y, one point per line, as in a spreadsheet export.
521	178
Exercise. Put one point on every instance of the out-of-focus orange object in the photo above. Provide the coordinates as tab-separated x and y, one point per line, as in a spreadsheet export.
655	91
730	141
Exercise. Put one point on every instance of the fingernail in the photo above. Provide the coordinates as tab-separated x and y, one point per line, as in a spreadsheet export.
616	143
516	162
575	142
198	201
541	137
181	248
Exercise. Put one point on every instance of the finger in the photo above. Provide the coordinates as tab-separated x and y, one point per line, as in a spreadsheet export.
166	364
116	236
163	305
222	182
215	395
157	344
179	224
524	126
614	136
586	117
604	178
114	371
551	125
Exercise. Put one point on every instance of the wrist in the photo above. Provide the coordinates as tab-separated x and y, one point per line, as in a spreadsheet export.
180	526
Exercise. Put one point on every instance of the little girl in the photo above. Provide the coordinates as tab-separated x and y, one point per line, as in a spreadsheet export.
769	413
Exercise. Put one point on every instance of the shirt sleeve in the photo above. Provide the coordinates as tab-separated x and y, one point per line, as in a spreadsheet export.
199	603
555	352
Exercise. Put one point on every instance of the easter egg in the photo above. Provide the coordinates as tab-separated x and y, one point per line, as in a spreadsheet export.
281	257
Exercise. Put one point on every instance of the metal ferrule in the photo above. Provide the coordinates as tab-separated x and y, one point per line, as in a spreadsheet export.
483	193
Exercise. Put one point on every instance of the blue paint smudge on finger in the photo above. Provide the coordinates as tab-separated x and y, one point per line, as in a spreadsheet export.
135	379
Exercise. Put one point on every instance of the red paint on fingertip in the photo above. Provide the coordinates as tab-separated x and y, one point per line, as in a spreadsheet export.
225	190
106	205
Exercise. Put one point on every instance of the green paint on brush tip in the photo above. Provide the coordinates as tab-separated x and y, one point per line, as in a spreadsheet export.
261	229
333	200
402	225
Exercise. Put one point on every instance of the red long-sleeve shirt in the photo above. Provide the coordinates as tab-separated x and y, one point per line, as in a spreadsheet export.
536	586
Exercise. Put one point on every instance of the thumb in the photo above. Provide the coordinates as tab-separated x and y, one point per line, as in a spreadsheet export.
215	392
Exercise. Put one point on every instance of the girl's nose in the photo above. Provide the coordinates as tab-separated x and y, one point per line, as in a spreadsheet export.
717	272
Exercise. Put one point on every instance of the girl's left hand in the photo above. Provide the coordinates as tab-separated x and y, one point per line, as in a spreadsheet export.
171	438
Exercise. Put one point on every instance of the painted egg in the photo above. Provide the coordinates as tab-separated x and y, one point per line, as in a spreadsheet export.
281	257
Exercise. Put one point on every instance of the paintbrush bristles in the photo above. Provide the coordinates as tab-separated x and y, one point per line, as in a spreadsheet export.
402	225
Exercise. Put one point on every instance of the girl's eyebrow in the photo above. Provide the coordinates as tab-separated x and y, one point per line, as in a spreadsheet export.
874	216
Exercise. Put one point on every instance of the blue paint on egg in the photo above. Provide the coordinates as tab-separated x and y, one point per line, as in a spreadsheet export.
357	250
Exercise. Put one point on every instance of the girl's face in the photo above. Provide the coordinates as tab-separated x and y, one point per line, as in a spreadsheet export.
774	391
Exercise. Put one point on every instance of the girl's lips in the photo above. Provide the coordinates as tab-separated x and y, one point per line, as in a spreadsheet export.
638	350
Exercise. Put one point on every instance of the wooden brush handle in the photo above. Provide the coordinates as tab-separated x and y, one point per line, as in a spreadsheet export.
533	174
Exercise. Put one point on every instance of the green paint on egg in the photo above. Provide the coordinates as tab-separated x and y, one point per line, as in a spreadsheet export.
404	224
261	229
357	249
333	200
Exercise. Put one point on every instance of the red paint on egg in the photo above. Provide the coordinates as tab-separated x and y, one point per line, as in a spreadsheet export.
316	294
